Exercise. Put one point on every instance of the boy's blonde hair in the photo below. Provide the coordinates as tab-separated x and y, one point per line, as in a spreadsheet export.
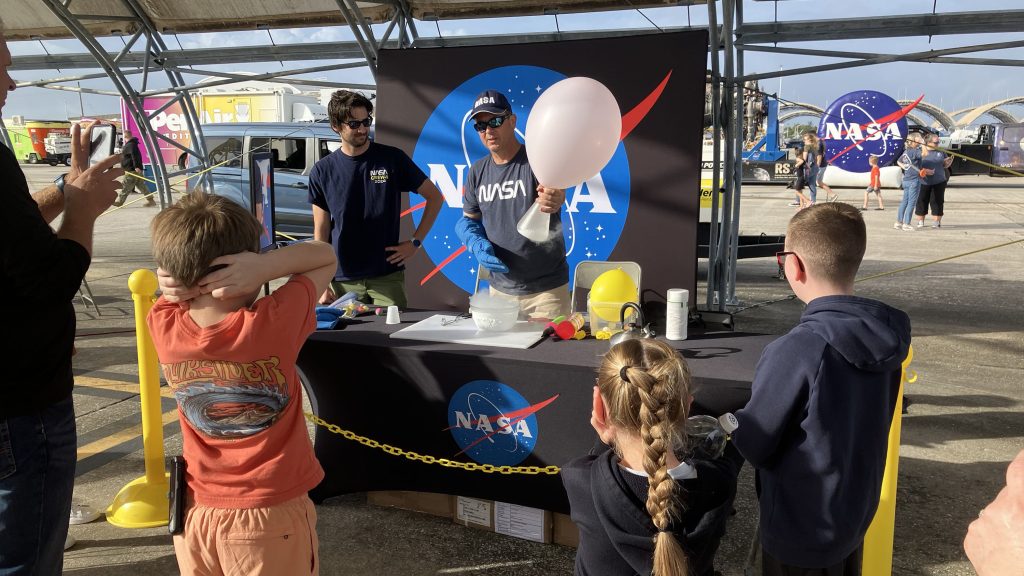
872	160
189	235
646	387
830	239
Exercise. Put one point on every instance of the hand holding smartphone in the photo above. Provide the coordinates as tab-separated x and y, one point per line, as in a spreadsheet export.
101	143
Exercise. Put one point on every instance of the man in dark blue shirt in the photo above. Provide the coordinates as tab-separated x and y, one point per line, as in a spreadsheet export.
356	197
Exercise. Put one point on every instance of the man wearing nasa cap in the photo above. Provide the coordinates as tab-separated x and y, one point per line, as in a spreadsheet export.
499	190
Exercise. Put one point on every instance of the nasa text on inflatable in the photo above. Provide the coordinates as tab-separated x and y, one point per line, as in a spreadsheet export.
647	186
862	124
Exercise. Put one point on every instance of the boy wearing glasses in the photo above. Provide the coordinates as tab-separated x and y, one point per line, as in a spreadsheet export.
817	423
356	193
499	189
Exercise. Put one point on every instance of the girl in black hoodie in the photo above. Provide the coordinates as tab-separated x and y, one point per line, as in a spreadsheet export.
640	508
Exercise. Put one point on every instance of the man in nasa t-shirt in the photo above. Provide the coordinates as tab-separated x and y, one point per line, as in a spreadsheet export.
499	189
356	196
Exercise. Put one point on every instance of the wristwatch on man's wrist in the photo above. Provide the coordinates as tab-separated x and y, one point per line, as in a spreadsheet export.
59	182
416	243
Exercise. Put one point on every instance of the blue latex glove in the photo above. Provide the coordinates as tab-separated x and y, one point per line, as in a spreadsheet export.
471	232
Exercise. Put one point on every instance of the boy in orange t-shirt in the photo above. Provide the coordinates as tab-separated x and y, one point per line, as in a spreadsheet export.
875	185
230	360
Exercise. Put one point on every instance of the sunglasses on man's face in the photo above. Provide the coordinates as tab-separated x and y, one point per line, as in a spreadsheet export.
353	124
495	122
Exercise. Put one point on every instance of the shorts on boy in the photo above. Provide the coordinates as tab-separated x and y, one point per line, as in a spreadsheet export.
279	539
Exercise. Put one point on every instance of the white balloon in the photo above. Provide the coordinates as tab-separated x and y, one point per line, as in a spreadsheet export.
572	132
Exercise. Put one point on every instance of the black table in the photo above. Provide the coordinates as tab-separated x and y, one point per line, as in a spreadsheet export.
398	392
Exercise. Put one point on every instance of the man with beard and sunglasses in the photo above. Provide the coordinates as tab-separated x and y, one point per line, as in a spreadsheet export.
356	193
500	188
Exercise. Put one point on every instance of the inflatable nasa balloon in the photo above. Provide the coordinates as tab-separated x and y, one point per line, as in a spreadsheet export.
862	124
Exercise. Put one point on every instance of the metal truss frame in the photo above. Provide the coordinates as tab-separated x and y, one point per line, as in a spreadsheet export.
727	91
728	44
133	98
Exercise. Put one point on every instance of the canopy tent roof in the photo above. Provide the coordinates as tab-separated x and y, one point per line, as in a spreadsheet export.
31	19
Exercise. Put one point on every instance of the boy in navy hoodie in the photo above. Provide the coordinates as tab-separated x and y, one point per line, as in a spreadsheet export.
822	400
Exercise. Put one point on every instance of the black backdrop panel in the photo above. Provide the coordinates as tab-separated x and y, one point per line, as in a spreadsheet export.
652	181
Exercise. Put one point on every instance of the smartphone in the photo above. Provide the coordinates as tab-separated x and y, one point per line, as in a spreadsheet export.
101	143
176	497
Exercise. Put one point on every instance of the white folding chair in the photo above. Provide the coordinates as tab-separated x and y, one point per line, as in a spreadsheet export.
588	270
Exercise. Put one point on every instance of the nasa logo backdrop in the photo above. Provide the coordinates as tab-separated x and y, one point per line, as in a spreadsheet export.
862	124
650	184
596	212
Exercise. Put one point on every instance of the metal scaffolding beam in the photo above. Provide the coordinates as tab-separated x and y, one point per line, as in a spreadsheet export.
861	55
885	59
131	97
294	52
981	22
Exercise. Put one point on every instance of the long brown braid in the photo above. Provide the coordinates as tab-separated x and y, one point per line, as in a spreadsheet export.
646	387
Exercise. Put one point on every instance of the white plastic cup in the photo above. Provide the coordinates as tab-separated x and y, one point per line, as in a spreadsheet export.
393	317
676	313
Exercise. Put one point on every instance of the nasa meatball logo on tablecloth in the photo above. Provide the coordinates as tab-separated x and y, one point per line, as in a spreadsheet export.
492	423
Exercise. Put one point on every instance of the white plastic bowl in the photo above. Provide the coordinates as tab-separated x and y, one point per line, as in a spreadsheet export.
494	318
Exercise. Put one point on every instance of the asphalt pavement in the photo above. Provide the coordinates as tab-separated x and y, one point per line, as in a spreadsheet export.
964	425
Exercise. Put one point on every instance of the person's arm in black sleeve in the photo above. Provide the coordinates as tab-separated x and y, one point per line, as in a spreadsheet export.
39	264
42	265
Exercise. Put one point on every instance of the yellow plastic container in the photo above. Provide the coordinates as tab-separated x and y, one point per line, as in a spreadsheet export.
599	315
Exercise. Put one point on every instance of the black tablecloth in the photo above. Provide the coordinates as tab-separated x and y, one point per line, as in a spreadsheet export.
397	391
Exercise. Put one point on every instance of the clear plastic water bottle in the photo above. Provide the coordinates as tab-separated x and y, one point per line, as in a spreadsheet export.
707	435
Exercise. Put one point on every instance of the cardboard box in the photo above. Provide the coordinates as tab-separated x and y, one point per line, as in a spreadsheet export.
473	512
564	531
426	502
503	518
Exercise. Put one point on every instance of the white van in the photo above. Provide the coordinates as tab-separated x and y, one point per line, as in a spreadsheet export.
296	146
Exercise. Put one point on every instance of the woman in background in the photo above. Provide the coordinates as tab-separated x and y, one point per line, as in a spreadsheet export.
933	186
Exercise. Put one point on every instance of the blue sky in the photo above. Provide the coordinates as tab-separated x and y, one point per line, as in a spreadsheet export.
948	85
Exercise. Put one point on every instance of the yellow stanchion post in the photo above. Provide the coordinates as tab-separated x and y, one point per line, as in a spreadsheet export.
879	538
142	503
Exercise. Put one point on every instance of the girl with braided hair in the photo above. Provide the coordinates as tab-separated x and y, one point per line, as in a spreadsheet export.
628	499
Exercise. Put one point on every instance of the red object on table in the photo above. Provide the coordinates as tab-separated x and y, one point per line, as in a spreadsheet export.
567	328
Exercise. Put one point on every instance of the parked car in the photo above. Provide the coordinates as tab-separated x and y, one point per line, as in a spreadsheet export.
296	146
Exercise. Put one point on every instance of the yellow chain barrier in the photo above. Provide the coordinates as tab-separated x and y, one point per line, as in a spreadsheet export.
410	455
